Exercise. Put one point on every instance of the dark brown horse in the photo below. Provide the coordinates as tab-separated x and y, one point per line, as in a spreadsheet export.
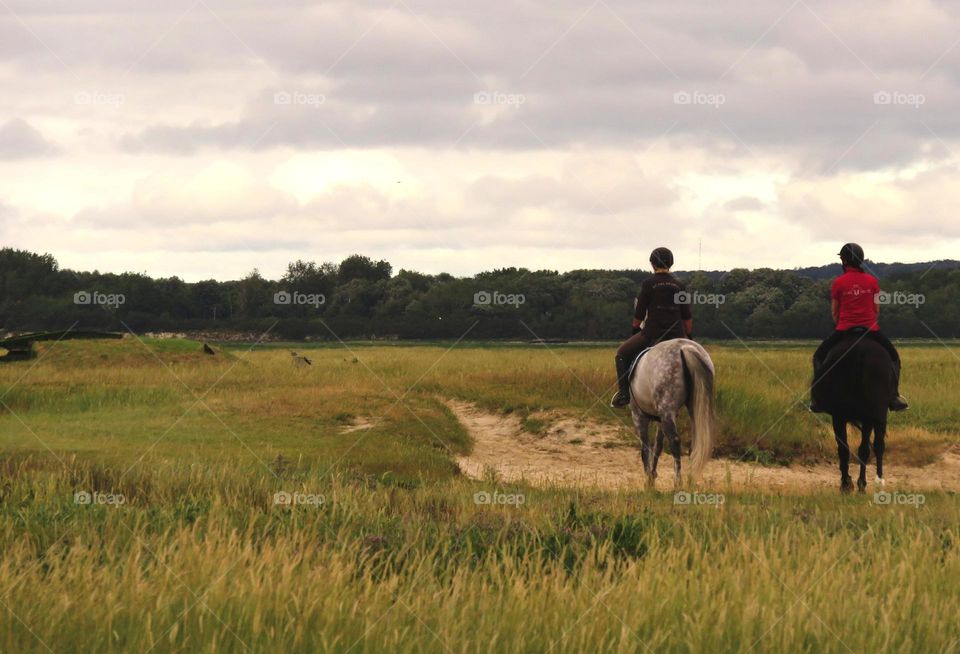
855	386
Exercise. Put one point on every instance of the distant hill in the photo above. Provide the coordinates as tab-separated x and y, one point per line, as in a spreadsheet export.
881	270
884	271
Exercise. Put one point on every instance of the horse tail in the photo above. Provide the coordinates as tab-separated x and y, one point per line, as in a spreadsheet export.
702	416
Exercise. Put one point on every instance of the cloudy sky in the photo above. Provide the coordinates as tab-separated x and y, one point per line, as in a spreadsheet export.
203	138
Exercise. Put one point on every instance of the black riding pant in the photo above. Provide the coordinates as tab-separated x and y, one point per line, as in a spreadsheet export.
634	345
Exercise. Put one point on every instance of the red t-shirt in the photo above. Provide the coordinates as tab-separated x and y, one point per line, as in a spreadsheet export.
857	292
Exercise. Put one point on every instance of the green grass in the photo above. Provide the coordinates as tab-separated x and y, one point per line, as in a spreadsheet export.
536	426
200	559
125	403
398	556
119	400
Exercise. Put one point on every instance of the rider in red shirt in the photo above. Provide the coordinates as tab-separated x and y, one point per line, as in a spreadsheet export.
854	305
854	293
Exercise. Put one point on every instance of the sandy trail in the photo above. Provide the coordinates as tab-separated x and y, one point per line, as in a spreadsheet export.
583	453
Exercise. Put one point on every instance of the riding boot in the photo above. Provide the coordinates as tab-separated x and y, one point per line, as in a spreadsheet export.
622	398
814	407
898	403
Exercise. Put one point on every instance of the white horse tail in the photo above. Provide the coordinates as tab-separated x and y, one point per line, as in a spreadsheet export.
702	415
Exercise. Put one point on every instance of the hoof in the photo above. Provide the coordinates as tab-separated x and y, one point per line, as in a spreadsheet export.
881	481
861	485
846	485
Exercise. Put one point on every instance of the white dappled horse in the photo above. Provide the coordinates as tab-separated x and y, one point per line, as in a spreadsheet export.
673	374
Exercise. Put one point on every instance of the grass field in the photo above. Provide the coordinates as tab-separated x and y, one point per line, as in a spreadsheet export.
388	550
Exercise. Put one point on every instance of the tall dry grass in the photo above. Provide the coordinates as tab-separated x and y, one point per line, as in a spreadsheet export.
398	556
199	558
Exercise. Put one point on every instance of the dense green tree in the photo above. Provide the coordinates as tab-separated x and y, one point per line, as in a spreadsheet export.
362	298
358	266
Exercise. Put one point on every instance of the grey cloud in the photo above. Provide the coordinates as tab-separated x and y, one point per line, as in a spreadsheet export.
20	140
926	206
798	106
792	85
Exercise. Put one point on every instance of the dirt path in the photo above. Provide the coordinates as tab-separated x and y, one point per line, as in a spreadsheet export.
584	453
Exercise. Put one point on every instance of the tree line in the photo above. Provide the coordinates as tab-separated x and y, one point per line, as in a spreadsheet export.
364	298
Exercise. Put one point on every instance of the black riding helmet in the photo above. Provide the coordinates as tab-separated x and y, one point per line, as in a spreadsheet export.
661	258
851	254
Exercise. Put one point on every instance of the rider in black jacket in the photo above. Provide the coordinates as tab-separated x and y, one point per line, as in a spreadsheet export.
661	312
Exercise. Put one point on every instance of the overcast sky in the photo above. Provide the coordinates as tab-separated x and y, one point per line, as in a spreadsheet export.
203	138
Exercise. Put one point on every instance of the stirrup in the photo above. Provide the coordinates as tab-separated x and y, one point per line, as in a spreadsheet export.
619	400
899	404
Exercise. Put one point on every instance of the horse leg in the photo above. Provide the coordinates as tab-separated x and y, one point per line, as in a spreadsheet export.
669	426
863	455
658	450
641	424
879	435
840	434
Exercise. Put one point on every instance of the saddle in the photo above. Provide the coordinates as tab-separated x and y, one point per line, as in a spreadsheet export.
850	339
633	365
